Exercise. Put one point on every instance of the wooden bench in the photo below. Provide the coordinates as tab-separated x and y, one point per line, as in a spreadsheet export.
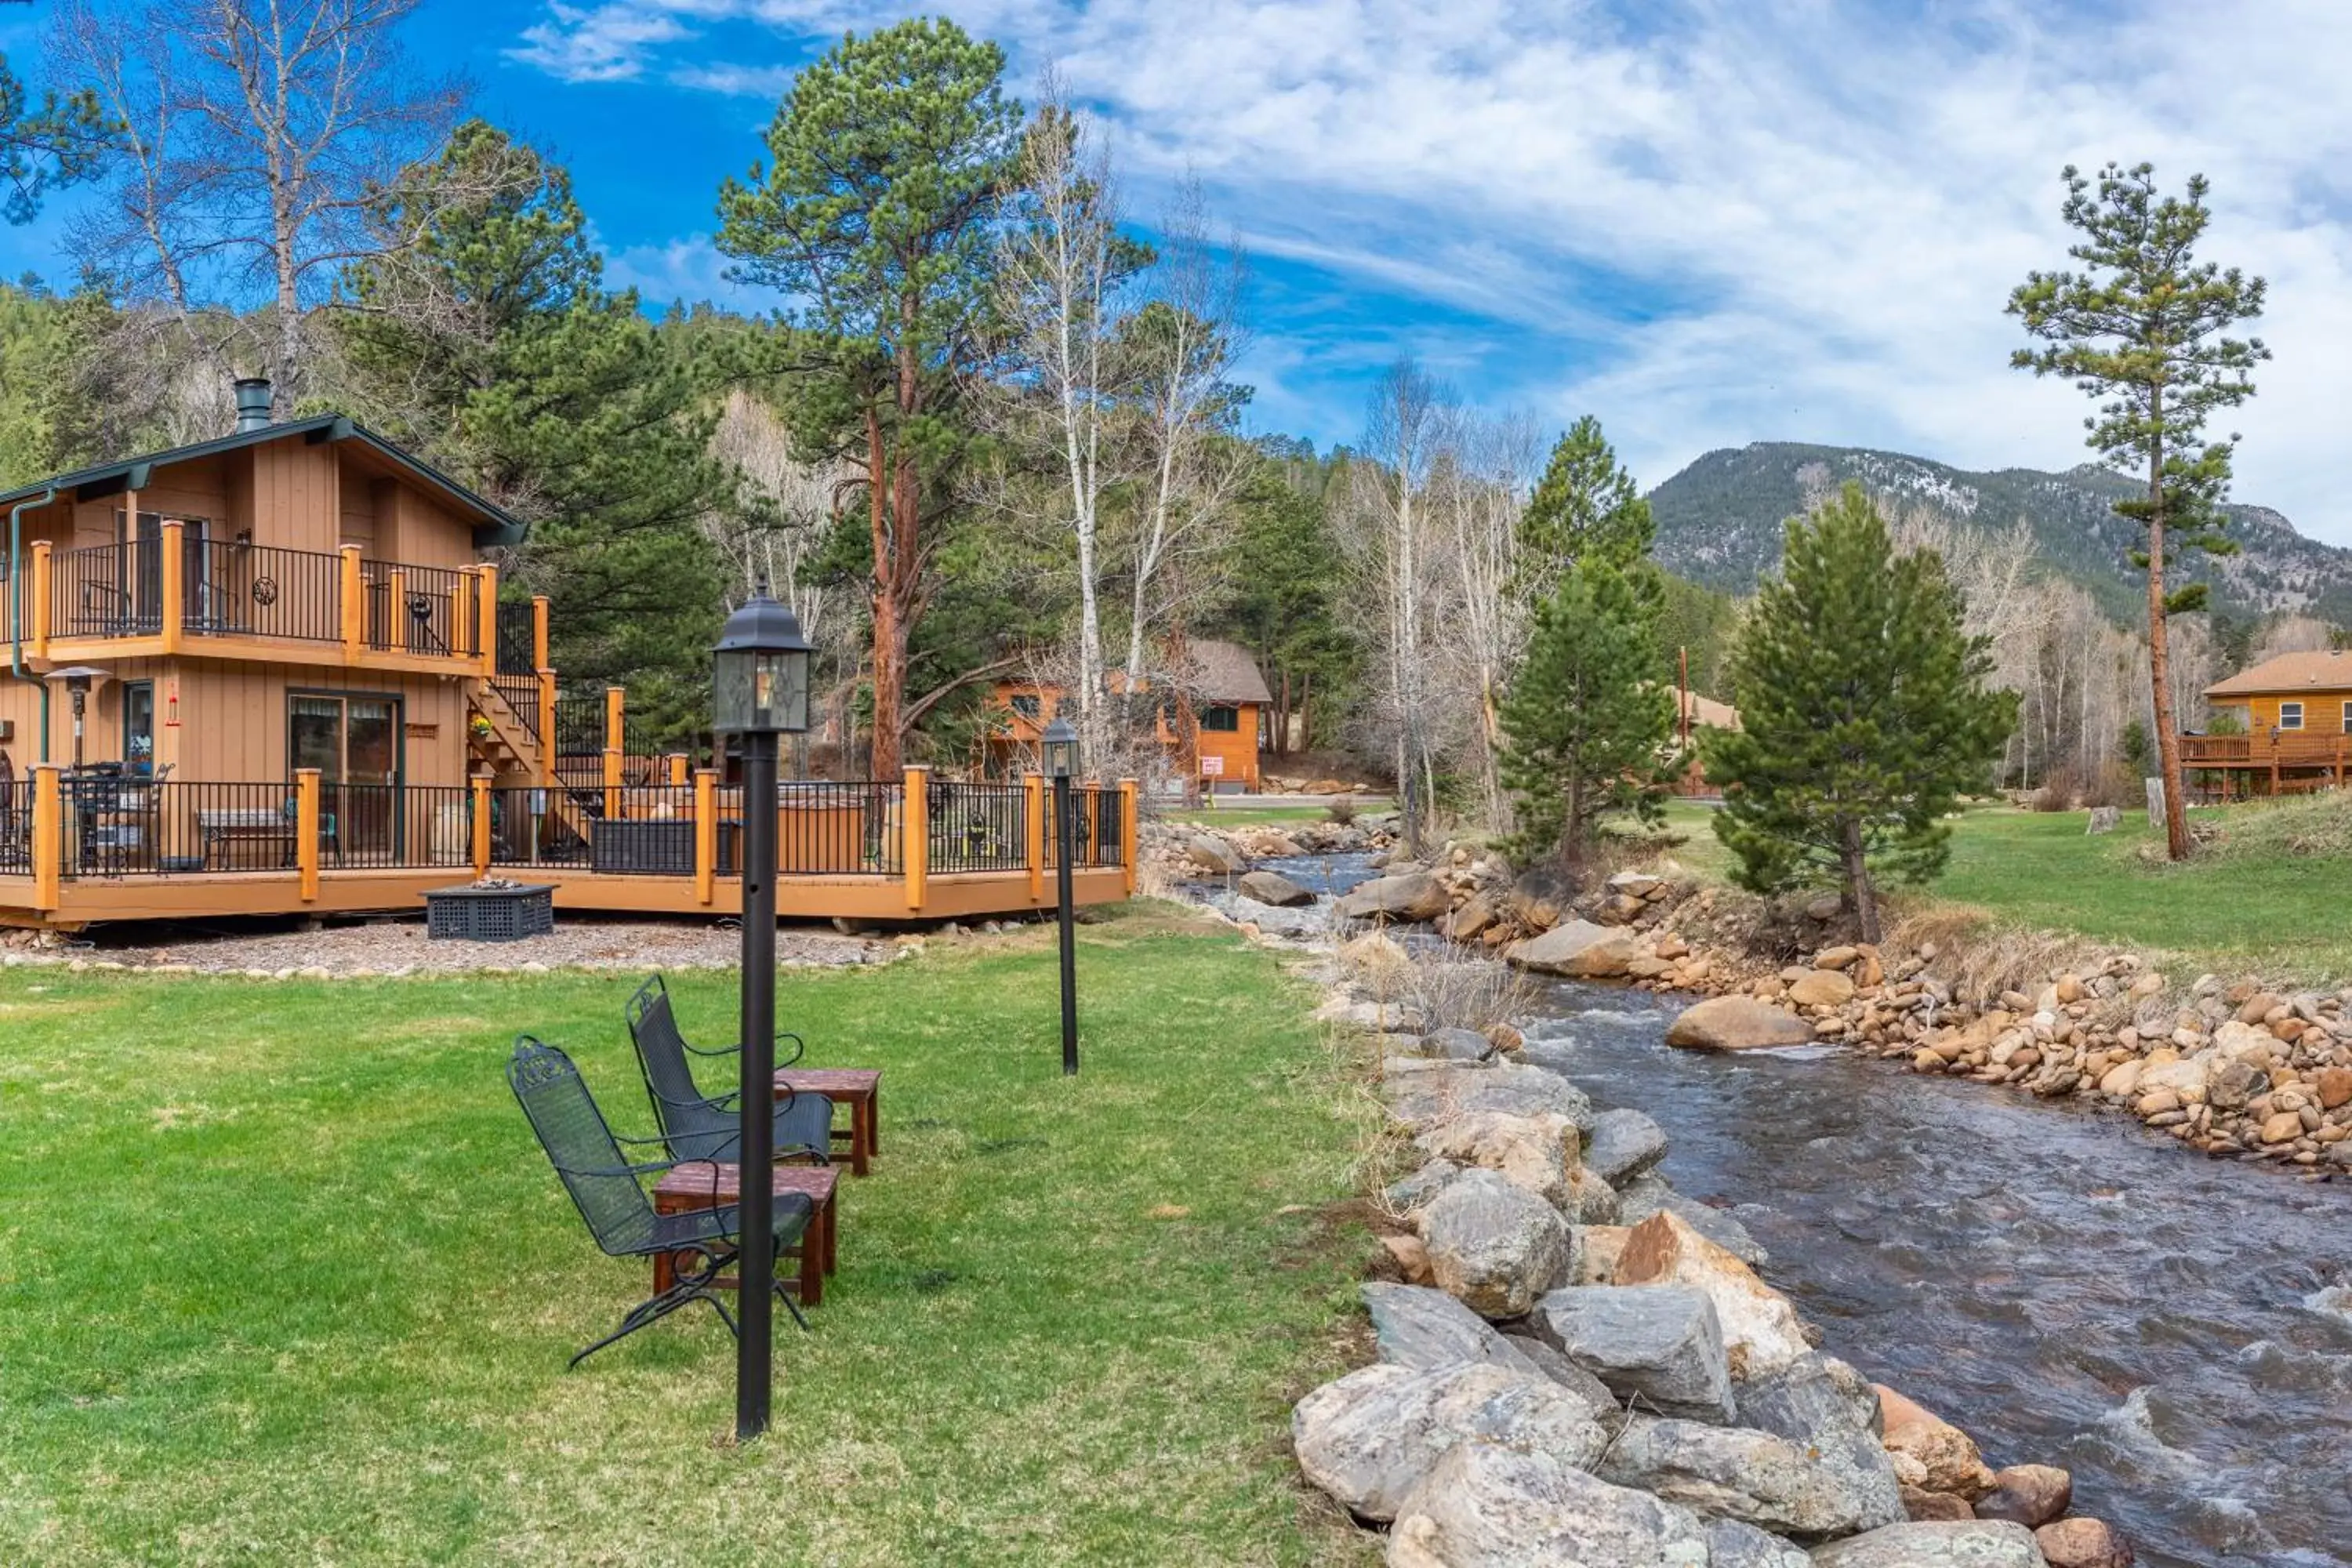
219	831
701	1184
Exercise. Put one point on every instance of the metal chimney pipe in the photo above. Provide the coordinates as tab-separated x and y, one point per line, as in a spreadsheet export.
252	404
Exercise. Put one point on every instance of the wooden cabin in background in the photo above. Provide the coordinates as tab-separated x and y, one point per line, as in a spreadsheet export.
274	672
1210	719
2293	715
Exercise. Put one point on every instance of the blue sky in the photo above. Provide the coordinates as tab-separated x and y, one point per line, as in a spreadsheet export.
1707	221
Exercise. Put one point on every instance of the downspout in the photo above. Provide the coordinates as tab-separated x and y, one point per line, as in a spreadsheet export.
17	605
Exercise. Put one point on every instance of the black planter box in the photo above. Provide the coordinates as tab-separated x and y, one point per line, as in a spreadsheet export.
490	914
655	846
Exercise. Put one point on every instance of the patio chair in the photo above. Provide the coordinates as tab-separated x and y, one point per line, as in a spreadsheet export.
608	1192
697	1126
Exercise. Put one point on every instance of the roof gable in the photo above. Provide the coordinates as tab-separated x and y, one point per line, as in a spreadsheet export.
2322	669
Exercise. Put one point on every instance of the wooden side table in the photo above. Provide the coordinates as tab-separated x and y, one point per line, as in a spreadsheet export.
860	1088
701	1184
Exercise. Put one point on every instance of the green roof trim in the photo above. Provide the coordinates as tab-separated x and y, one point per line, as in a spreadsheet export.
493	525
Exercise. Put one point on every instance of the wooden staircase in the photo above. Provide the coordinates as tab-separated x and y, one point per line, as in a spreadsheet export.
509	745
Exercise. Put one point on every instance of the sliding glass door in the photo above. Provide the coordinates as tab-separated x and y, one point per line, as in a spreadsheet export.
354	742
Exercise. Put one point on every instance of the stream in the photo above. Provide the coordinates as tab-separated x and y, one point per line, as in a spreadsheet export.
2065	1285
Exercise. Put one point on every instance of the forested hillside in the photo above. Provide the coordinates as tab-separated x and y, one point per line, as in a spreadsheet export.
1719	523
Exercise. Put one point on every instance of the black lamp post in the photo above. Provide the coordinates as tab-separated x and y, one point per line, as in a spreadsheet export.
760	690
1061	750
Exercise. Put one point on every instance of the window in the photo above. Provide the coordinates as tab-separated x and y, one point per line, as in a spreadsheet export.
2347	717
354	742
1027	707
1225	719
139	726
2290	715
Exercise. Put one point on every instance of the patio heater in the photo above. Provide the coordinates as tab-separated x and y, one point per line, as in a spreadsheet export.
78	679
1061	752
760	690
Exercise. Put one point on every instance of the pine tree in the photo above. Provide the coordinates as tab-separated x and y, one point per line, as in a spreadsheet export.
2141	327
1862	714
1586	722
55	143
1584	506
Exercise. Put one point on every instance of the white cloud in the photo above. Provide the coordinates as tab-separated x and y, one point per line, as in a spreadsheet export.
1736	221
688	271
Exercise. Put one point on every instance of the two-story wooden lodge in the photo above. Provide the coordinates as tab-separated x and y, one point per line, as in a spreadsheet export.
1210	722
274	672
2294	718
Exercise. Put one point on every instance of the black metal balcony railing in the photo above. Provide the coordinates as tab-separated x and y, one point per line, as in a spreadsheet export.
252	590
417	609
978	826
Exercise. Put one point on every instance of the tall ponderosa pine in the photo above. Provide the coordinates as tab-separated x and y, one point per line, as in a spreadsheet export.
892	158
1585	506
2141	327
1862	714
1586	722
491	345
44	146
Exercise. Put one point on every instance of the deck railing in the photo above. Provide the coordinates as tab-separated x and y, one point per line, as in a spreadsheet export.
2287	748
180	584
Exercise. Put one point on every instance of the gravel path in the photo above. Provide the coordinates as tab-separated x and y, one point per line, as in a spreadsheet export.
394	948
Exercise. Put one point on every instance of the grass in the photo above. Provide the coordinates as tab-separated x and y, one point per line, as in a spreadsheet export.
2275	893
284	1277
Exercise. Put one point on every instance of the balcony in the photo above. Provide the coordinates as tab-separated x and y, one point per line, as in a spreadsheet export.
180	593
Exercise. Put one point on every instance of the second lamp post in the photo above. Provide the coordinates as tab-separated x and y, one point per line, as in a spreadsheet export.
1061	752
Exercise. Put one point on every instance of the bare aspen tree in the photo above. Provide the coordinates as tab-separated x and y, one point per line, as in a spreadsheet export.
1060	265
257	135
1479	494
1388	494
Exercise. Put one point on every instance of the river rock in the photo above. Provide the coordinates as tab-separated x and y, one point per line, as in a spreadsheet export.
1761	1331
1541	896
1547	1361
1738	1023
1650	1194
1623	1145
2334	1086
2030	1494
1273	888
1410	1191
1660	1346
1423	1330
1484	1505
1415	896
1537	1152
1491	1244
1425	1097
1370	1437
1986	1543
1211	853
1816	1399
1946	1454
1740	1473
1457	1046
1593	1252
1732	1544
1475	915
1578	949
1930	1506
2083	1543
1821	988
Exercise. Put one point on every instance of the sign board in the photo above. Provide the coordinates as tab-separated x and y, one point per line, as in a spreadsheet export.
1213	767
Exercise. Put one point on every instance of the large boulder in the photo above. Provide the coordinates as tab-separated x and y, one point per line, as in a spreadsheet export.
1488	1506
1425	1098
2083	1543
1491	1244
1457	1045
1211	853
1660	1345
1731	1544
1537	1152
1623	1145
1541	897
1578	949
1415	896
1755	1477
1736	1024
1476	914
1370	1437
1651	1194
2030	1494
1273	888
1761	1331
1560	1370
1826	1407
1424	1330
1821	988
1946	1454
1989	1543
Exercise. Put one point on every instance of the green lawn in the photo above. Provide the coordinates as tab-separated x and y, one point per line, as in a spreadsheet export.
284	1277
2267	911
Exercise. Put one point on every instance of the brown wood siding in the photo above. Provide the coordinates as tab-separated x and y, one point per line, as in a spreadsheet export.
2323	711
294	496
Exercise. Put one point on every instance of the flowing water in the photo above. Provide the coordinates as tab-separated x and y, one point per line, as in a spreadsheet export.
2070	1288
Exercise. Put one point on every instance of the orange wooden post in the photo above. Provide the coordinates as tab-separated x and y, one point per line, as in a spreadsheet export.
396	611
1128	830
49	846
489	646
41	570
615	724
915	822
676	769
1033	810
539	631
481	825
305	826
174	577
546	728
706	835
353	613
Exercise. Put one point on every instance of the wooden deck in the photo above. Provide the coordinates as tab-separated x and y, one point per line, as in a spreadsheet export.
2278	762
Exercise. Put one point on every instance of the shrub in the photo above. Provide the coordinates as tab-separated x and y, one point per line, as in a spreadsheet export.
1341	812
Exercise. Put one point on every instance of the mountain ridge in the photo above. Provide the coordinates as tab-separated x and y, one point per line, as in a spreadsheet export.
1719	523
